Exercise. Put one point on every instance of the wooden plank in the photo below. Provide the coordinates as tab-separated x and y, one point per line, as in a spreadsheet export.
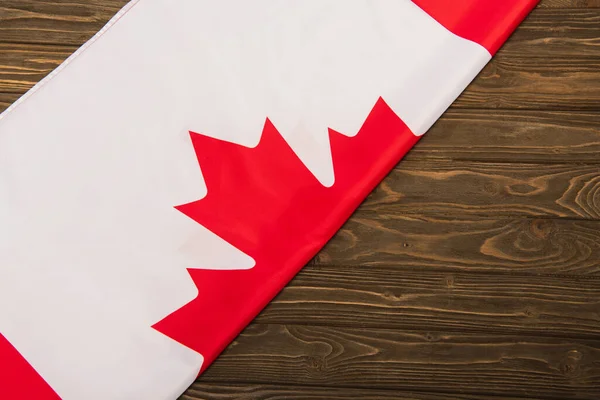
417	361
404	298
517	136
545	84
551	48
6	99
497	189
420	271
541	67
216	391
569	4
531	83
54	22
562	73
542	246
460	134
575	61
483	189
74	21
555	32
22	66
478	135
489	189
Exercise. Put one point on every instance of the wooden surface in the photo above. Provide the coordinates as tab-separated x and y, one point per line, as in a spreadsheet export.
472	272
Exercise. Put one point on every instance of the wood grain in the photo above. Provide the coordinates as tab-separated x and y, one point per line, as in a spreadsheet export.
515	136
538	137
536	246
6	99
418	360
54	22
216	391
560	74
531	86
489	190
472	272
75	21
526	84
21	66
569	4
403	298
555	82
552	32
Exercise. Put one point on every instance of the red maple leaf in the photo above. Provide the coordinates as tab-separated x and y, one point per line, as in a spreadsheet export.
265	202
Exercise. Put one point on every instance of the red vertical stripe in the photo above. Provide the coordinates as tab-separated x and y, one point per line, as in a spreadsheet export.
487	22
18	379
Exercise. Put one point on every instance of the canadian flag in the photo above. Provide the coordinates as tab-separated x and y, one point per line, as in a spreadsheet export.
163	184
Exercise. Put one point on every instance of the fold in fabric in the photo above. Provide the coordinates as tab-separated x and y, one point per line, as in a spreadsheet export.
163	184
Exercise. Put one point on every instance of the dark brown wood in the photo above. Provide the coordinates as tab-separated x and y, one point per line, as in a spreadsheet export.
536	246
74	21
537	137
560	74
460	134
216	391
54	22
417	360
569	4
472	272
531	85
489	190
407	297
22	66
515	136
555	33
6	99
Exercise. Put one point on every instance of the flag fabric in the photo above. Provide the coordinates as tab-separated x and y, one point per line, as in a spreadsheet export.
163	184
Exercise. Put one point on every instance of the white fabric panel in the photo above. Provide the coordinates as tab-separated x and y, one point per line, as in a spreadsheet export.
92	162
